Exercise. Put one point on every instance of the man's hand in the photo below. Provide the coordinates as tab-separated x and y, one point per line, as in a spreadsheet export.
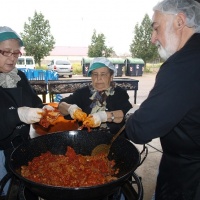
131	111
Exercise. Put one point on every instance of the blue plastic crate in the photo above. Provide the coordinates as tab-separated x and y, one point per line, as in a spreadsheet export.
58	97
38	74
51	75
29	74
23	70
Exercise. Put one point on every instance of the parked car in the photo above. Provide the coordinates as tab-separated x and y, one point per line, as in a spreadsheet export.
62	67
25	62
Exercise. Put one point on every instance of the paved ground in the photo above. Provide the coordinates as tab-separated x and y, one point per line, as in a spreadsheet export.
148	170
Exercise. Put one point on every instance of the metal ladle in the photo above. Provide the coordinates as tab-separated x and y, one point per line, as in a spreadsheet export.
105	148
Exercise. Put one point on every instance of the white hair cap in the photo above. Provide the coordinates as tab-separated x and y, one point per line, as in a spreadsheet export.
190	8
7	33
101	62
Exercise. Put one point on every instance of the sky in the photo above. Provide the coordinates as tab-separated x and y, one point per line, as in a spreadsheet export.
73	22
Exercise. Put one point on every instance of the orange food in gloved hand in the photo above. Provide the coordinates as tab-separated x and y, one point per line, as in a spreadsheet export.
59	123
76	113
91	122
79	115
48	117
94	120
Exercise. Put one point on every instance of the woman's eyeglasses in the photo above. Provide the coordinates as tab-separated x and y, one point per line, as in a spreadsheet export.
8	53
102	75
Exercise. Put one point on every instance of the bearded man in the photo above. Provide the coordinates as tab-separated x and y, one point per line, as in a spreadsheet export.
172	110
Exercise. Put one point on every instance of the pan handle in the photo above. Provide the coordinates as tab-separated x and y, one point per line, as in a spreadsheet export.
132	194
145	151
21	191
139	185
4	180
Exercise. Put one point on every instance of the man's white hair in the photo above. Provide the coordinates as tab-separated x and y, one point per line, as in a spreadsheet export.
190	8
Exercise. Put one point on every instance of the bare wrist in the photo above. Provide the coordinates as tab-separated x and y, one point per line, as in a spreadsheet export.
111	117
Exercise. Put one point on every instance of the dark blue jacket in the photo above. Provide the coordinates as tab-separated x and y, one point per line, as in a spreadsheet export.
172	112
10	100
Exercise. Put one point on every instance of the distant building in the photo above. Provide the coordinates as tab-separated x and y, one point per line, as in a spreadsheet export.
73	54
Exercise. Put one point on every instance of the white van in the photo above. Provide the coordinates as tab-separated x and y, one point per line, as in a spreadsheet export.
27	62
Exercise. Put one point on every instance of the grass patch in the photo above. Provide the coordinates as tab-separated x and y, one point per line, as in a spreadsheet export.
43	67
77	68
152	67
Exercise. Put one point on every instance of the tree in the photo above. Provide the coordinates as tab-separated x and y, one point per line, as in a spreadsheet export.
141	46
98	47
38	41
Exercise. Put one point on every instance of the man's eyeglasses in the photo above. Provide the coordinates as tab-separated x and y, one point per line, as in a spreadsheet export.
102	75
8	53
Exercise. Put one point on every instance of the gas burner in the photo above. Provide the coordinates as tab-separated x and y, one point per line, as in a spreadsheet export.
132	189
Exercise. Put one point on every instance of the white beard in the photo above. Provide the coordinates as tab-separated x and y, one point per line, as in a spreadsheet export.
172	42
162	52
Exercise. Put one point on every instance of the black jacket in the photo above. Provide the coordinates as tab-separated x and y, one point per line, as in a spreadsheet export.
118	101
172	112
10	100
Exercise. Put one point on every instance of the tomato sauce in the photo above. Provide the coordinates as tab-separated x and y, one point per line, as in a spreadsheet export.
70	170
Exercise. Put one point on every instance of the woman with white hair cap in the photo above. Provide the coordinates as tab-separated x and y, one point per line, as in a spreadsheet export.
172	108
104	101
19	104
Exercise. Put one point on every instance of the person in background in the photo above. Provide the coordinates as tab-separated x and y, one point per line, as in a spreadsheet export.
19	104
172	108
103	100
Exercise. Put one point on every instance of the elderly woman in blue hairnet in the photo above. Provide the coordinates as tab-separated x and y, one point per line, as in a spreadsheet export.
19	104
106	102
